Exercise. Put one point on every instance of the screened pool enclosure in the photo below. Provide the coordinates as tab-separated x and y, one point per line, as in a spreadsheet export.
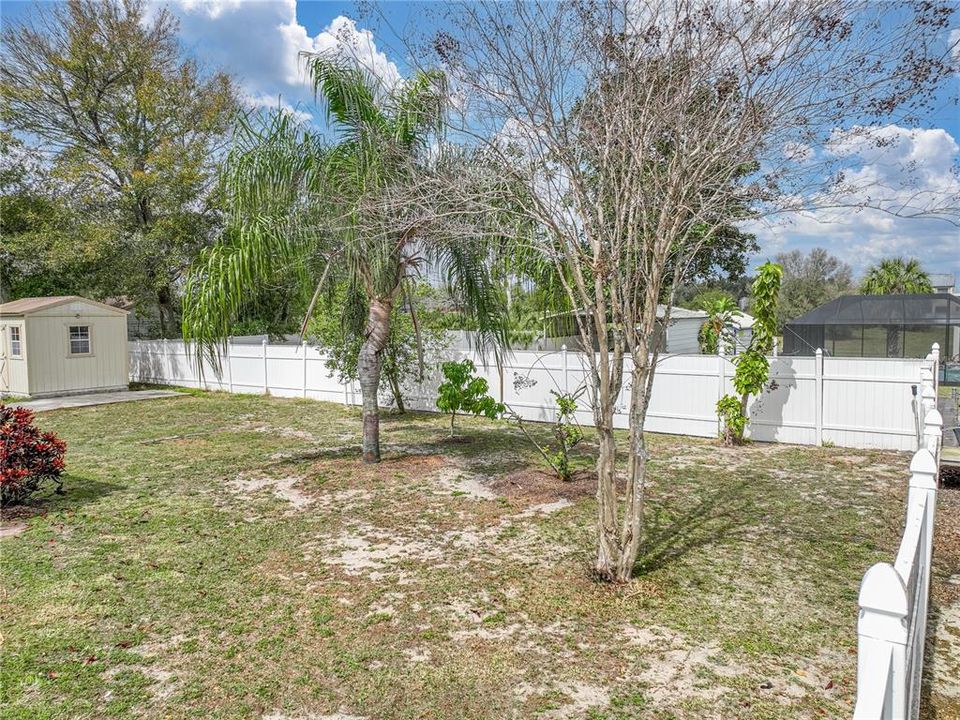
894	326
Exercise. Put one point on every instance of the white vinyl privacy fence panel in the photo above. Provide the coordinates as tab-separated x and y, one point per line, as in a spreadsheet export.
851	402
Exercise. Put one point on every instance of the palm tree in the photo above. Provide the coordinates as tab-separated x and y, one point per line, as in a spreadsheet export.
362	210
896	276
719	323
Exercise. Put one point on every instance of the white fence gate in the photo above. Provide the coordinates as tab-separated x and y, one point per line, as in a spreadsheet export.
893	598
850	402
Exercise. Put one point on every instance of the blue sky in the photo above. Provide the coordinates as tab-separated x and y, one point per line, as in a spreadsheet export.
258	41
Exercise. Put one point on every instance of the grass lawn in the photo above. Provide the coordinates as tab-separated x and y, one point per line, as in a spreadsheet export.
223	556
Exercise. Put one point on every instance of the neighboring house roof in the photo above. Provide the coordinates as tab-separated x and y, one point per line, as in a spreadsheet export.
942	280
26	306
677	313
743	322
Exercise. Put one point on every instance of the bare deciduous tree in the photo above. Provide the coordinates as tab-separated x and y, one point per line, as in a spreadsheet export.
628	132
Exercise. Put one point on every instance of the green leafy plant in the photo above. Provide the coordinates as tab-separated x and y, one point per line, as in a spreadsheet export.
465	393
753	368
566	431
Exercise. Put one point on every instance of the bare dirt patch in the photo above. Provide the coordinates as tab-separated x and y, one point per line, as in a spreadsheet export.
538	486
354	472
13	521
462	482
284	488
12	528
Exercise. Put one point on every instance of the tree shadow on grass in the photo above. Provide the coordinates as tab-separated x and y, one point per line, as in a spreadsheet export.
78	491
669	536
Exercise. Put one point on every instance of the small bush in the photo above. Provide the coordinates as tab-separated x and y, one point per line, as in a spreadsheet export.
465	393
28	456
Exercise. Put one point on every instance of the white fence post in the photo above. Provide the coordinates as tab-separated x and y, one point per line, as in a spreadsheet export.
935	351
923	493
266	385
230	363
303	346
818	397
721	383
166	358
882	645
566	379
933	433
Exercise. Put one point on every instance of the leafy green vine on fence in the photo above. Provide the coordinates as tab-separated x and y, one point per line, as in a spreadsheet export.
753	368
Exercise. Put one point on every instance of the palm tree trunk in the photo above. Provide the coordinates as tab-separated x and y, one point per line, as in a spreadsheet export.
369	363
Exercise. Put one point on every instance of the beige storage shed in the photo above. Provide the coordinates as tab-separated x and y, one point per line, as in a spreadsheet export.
61	346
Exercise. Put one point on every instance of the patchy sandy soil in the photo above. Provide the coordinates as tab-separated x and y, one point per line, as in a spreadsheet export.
285	488
12	528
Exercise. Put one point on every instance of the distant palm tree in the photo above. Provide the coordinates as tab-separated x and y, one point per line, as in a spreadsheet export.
896	276
300	211
718	326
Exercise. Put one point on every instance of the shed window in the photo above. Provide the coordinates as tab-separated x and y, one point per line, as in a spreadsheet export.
16	344
79	339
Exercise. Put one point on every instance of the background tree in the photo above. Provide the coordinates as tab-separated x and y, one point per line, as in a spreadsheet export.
637	131
365	210
896	276
129	126
337	327
810	280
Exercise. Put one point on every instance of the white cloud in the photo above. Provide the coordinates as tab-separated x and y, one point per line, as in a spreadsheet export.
260	41
953	42
265	101
903	171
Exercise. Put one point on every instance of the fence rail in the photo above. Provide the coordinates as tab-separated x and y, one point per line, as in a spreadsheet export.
849	402
894	597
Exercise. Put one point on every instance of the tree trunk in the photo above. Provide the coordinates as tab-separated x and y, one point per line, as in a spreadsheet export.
632	532
608	545
369	364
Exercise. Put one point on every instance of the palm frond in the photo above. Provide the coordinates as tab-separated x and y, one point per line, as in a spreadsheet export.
346	92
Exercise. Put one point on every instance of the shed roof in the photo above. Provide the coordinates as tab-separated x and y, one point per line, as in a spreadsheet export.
933	309
26	306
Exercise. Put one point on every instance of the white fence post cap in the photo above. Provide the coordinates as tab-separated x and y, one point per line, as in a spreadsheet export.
933	418
819	352
882	590
923	463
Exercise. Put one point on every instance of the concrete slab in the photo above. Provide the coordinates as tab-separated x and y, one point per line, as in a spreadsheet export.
107	398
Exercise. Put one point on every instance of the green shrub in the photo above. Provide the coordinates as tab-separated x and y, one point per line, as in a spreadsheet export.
465	393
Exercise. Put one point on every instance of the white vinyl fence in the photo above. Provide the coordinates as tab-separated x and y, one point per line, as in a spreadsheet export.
893	598
850	402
